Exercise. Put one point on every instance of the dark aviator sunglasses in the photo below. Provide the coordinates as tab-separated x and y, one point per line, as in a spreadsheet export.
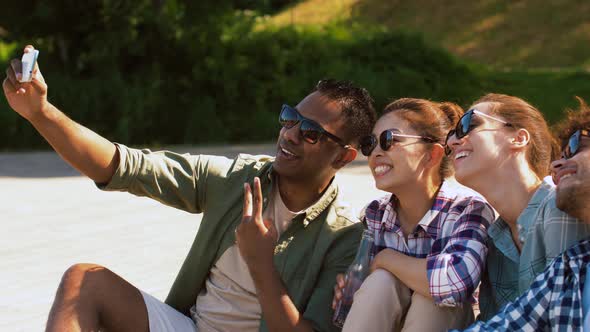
573	144
465	125
387	138
310	130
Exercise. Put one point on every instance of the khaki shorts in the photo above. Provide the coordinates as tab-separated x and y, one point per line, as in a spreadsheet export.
164	318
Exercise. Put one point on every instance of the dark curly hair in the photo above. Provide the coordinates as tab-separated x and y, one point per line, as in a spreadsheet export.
357	107
574	120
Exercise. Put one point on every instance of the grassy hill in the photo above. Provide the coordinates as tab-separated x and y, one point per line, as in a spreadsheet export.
393	48
515	34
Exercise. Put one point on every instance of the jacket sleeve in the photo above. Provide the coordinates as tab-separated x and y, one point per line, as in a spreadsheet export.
177	180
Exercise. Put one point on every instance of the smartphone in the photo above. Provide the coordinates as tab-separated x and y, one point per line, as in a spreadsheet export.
28	64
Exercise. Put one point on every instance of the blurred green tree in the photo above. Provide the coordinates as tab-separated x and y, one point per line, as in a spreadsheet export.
263	6
94	36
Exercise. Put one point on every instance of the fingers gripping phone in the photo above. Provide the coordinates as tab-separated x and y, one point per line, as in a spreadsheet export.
28	64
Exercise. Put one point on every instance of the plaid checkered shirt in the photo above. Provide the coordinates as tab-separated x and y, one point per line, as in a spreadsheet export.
451	237
554	300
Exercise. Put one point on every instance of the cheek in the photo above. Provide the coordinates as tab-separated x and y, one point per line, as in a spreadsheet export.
484	152
413	164
495	145
395	156
407	164
415	158
584	164
319	154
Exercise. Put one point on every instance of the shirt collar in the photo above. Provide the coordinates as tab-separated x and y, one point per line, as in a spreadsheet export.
500	233
443	196
577	257
524	219
501	237
321	204
313	211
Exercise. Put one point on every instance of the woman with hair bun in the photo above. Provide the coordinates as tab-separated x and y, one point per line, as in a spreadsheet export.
429	232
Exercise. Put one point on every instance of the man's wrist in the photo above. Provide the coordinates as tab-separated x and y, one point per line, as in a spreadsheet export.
45	112
261	270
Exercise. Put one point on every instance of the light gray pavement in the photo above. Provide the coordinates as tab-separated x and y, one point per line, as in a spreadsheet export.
51	217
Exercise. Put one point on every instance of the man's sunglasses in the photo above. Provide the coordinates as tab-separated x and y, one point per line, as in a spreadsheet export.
464	126
310	130
573	144
386	139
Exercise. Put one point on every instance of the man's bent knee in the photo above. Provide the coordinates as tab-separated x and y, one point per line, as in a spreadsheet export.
78	275
84	282
94	296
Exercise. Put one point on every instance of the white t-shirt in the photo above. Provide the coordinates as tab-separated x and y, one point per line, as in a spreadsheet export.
228	302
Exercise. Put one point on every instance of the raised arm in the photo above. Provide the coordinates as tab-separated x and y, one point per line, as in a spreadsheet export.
88	152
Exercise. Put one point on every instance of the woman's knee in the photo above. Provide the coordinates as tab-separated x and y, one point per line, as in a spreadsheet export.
376	284
378	279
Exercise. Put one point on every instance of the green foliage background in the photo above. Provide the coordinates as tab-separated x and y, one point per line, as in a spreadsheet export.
186	72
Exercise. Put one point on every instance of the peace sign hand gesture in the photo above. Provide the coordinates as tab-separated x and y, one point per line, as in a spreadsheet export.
256	238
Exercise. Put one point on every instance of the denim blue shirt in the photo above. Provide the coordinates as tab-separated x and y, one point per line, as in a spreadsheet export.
544	231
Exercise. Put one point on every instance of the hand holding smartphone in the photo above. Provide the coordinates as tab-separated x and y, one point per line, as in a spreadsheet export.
28	64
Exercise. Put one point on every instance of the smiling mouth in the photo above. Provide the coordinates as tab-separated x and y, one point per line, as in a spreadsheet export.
286	154
462	154
381	169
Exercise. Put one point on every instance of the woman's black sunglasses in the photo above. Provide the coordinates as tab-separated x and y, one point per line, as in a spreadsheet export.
573	144
310	130
386	139
464	126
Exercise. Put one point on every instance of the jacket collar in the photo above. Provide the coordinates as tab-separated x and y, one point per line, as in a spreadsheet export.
268	175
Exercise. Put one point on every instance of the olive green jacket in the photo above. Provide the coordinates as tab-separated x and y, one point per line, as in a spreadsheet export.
318	244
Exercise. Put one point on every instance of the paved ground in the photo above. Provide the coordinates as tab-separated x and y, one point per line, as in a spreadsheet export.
52	218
